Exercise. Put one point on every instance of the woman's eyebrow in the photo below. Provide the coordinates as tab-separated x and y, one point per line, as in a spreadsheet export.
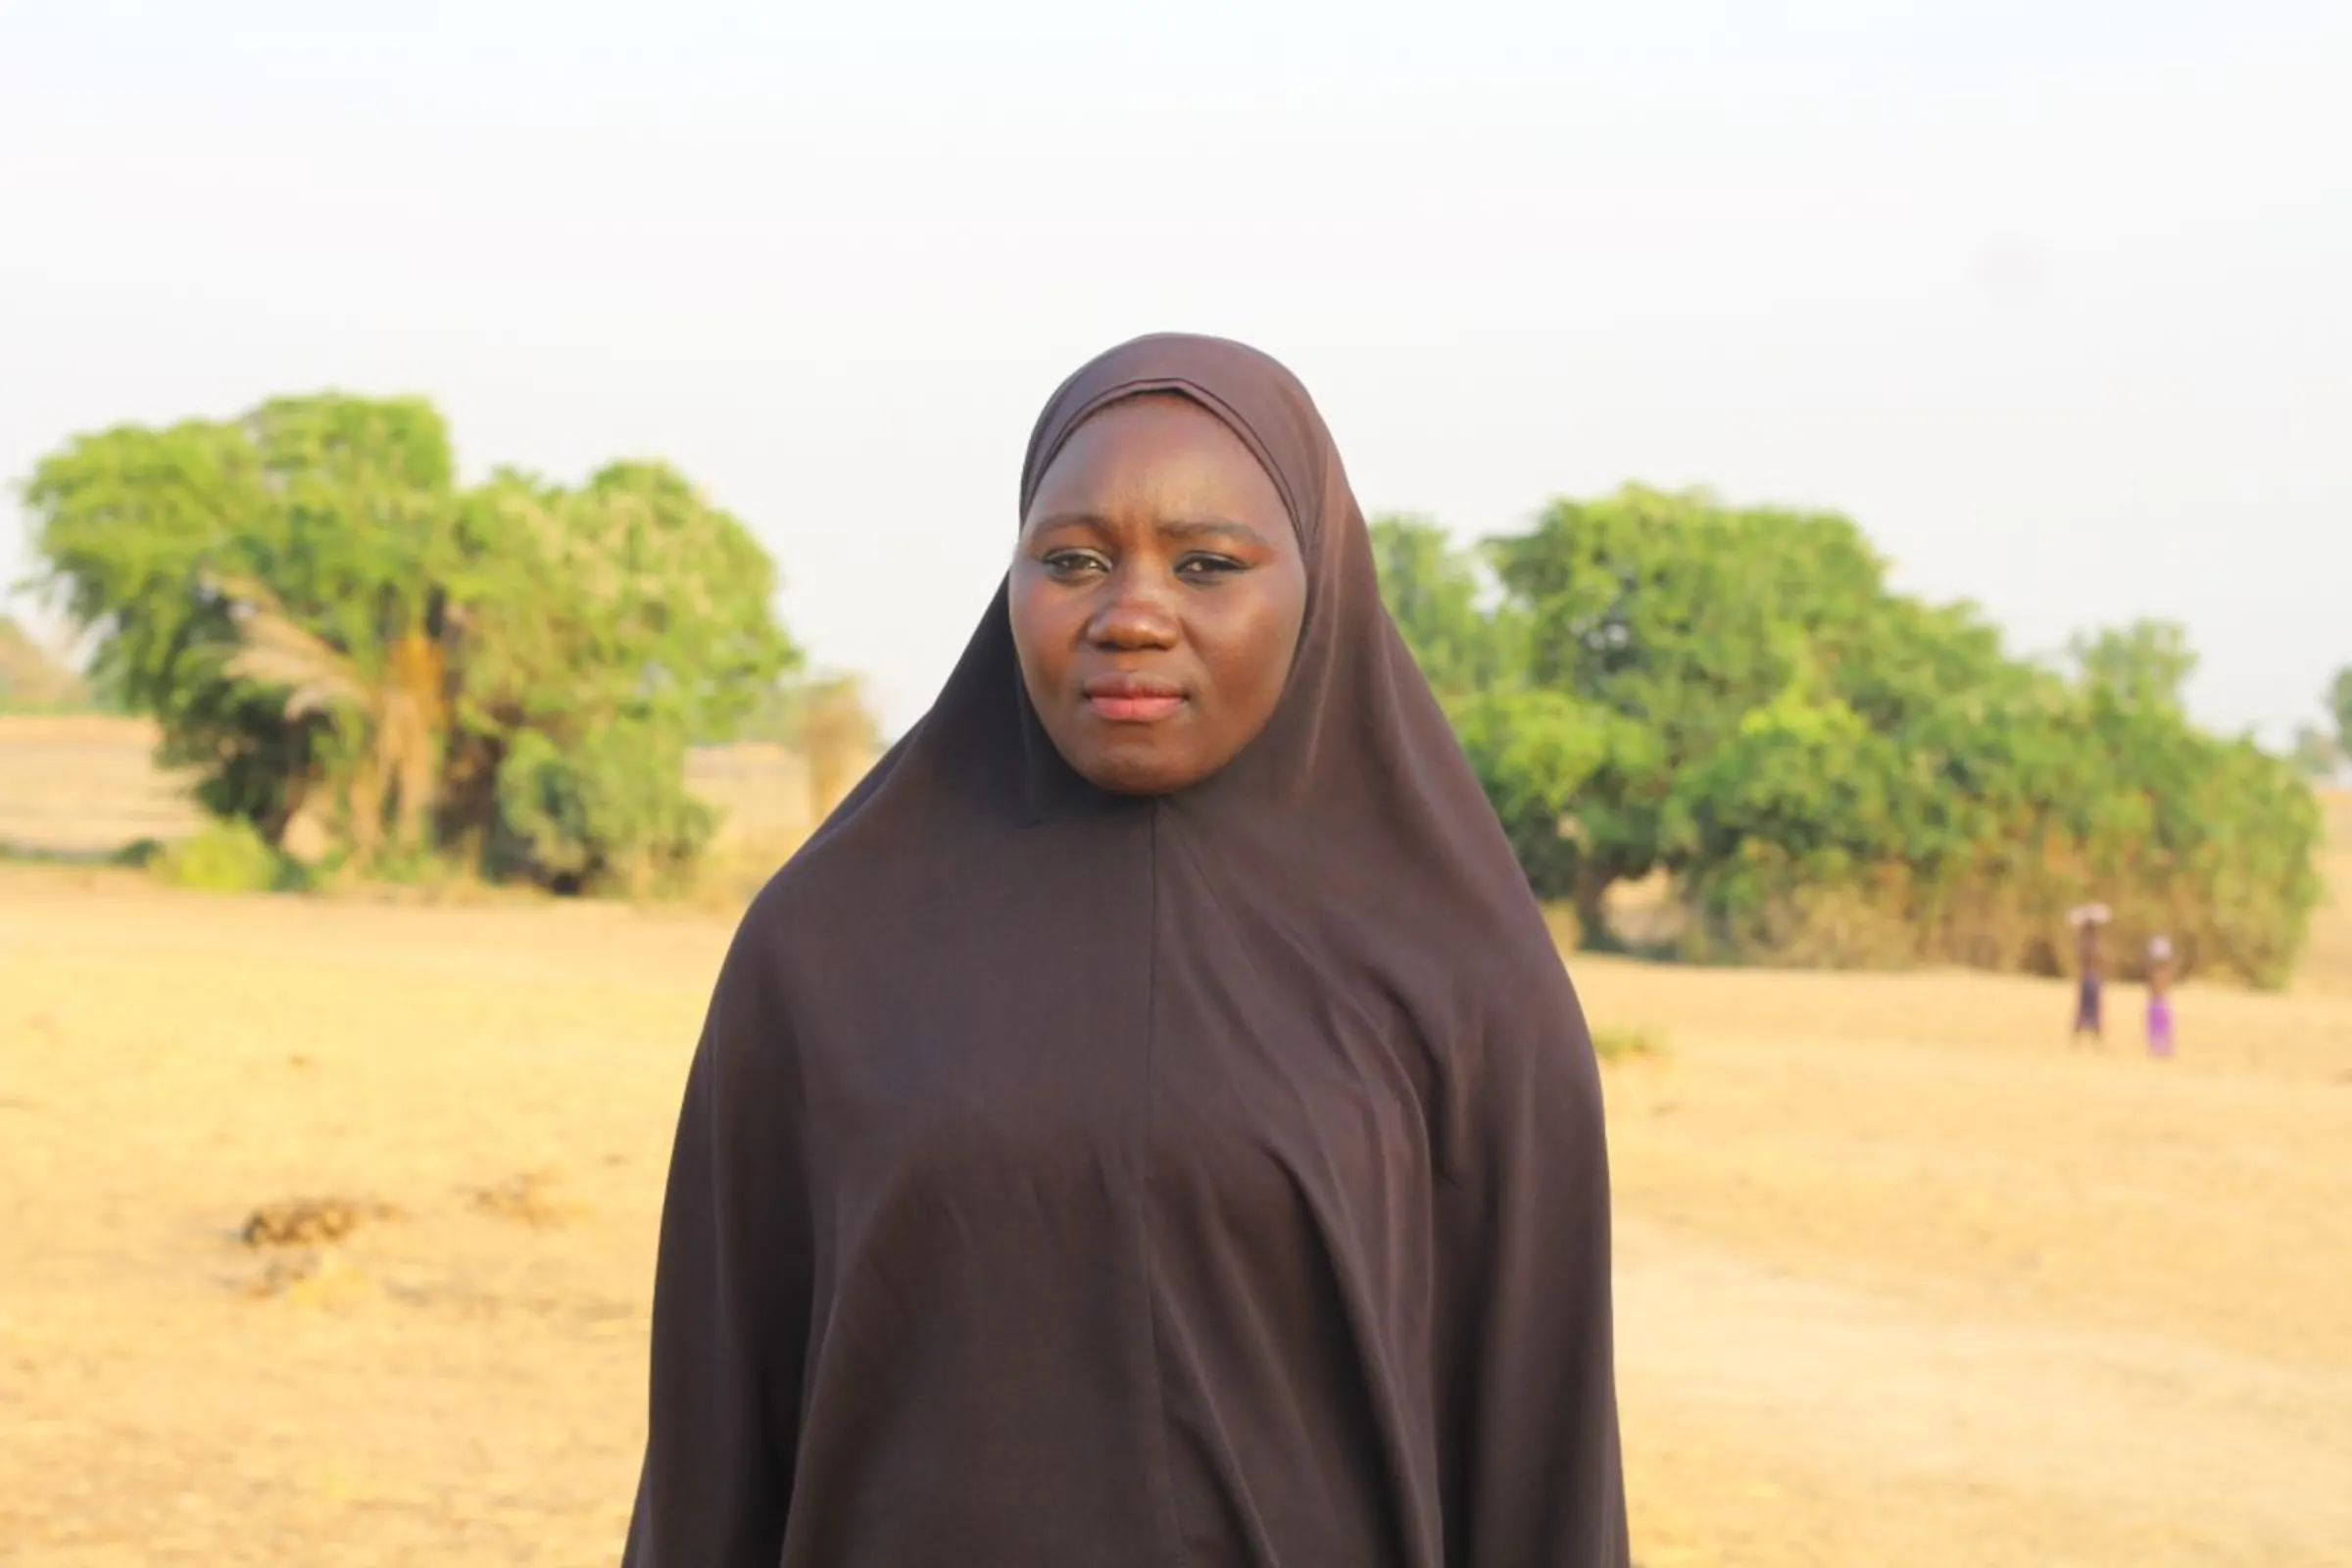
1169	528
1210	527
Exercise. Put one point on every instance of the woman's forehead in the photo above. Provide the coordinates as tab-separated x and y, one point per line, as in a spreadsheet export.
1252	394
1160	447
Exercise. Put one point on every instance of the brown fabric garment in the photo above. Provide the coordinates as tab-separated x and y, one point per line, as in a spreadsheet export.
1067	1179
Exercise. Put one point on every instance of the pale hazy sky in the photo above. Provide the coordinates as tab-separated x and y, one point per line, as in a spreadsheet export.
2055	297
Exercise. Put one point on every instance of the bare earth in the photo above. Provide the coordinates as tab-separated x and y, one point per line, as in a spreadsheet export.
1902	1280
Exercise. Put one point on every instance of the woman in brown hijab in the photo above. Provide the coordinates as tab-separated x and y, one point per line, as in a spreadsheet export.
1149	1123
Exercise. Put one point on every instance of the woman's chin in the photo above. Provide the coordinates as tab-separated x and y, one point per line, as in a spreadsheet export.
1139	764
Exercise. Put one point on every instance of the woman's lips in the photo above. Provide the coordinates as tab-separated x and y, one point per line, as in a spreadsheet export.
1133	710
1133	698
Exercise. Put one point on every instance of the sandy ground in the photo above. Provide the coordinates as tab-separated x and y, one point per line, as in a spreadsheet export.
1902	1280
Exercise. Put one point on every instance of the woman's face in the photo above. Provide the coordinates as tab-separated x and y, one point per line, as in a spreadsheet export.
1157	596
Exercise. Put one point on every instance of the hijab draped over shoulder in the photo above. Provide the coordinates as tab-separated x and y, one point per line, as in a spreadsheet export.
1215	1178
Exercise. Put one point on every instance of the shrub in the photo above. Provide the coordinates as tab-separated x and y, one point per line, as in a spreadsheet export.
611	814
229	856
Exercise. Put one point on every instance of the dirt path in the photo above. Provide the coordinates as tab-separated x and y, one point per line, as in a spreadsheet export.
1904	1280
1792	1421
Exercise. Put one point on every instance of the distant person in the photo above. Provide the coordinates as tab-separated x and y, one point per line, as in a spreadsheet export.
1149	1123
2090	964
2160	998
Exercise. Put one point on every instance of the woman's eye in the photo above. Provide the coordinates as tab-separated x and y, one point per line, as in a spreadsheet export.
1074	562
1207	565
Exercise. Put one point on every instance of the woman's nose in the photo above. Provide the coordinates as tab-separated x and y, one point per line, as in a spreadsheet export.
1139	614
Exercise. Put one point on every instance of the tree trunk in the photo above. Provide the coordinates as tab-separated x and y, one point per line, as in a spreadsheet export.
1590	895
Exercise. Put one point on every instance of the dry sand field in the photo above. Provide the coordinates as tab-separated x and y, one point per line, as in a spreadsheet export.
1904	1280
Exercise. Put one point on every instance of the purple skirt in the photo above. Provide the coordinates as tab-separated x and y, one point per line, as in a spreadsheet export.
2160	1026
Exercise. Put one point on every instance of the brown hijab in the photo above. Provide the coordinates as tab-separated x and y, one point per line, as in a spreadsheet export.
1218	1178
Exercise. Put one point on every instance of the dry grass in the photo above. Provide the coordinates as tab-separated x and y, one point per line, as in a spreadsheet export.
1902	1278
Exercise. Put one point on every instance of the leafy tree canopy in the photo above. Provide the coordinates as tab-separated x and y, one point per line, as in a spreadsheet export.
344	643
2146	664
1830	770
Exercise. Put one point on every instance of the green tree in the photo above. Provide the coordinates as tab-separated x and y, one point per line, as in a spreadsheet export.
1439	595
1829	771
384	708
1533	748
2339	707
336	508
625	619
1536	753
1676	617
2147	664
329	629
